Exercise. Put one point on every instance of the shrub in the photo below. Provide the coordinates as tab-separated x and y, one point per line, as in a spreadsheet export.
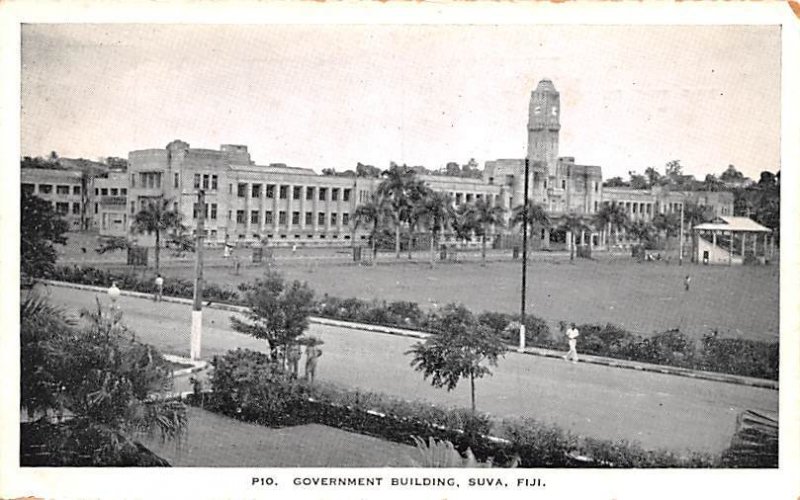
537	444
608	340
740	357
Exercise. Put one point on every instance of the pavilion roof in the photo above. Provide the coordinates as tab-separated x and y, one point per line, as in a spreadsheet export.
728	223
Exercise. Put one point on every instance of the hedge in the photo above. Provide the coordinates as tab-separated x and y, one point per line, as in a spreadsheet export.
247	386
674	348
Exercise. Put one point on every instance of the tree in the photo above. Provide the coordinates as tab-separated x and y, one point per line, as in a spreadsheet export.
367	170
485	217
642	231
573	224
435	212
40	229
612	216
638	181
410	215
329	172
107	386
157	218
536	215
667	224
653	177
277	312
398	181
731	176
711	183
457	349
463	222
374	212
674	171
615	182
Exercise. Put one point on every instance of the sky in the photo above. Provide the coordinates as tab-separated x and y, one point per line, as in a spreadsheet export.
332	96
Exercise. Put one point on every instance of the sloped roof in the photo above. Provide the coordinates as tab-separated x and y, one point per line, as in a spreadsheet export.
728	223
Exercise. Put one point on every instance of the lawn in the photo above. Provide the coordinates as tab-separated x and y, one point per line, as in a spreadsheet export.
739	301
217	441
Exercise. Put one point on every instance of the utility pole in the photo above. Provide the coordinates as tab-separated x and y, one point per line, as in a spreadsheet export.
680	256
524	258
197	308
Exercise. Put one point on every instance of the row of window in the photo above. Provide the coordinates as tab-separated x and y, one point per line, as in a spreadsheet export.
111	191
147	180
255	218
204	181
63	208
283	192
48	189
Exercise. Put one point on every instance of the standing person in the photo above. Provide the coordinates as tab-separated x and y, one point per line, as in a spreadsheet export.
313	352
686	281
572	336
293	355
159	288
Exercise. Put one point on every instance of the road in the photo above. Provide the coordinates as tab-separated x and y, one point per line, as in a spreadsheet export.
657	410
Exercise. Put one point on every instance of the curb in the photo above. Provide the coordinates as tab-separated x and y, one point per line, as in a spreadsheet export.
534	351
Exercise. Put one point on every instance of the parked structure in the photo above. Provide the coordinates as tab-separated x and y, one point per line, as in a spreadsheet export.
732	241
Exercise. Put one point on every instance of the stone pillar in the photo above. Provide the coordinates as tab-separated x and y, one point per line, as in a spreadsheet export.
262	207
327	202
276	192
744	239
315	208
303	207
289	207
248	204
755	244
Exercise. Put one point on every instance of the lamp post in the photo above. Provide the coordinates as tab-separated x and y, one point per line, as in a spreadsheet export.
524	258
197	308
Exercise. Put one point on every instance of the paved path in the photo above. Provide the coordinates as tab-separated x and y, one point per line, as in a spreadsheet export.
655	409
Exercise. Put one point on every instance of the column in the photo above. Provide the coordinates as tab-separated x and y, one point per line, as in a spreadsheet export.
276	192
315	208
755	244
765	246
262	217
327	202
730	248
569	240
339	208
248	197
303	207
289	207
771	247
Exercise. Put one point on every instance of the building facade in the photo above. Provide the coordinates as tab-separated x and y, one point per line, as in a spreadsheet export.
279	204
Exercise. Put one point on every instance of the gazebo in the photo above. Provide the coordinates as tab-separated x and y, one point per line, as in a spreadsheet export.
732	240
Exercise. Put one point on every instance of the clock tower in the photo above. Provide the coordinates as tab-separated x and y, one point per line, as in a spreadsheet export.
543	127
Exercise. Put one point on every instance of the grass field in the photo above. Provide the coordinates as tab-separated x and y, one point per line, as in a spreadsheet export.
643	298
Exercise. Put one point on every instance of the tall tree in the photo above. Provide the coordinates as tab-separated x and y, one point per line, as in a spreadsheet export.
536	215
573	224
642	231
111	387
463	222
410	214
653	177
41	228
612	216
397	183
667	224
159	219
731	175
277	311
374	212
638	181
486	217
460	348
435	212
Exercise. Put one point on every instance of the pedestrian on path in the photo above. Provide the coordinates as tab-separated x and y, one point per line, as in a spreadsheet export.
313	352
159	288
572	338
686	282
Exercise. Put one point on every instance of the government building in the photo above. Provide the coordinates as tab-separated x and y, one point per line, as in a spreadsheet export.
279	204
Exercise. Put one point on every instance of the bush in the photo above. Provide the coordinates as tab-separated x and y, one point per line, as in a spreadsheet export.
740	357
248	386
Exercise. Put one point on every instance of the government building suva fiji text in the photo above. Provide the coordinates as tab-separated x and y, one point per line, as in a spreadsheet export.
281	205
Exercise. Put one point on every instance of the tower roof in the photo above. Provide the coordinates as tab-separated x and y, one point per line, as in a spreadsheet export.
545	85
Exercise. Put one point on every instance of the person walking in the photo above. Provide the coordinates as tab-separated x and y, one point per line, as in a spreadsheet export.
313	352
159	288
686	282
572	338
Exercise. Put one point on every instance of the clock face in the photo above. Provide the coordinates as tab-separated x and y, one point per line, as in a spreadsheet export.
554	111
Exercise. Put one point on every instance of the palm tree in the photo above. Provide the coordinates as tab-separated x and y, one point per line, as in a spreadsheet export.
374	212
435	212
642	230
157	218
537	217
610	216
667	224
396	186
463	222
411	213
486	216
573	223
